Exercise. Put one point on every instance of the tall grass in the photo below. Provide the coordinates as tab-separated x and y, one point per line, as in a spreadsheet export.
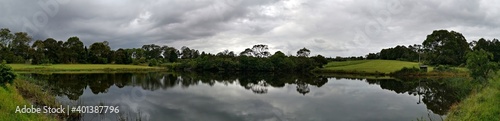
482	105
9	100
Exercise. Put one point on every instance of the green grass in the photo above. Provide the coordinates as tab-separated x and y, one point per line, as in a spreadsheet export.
81	67
370	66
481	106
10	99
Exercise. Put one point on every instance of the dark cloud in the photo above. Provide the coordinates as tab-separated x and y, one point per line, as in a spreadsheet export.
327	27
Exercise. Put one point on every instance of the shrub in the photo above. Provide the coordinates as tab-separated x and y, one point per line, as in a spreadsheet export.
442	68
406	70
6	74
153	62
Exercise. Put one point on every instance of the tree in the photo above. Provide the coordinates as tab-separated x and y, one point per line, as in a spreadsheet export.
20	44
38	54
445	47
480	65
320	60
52	50
492	46
152	51
261	51
5	38
170	53
399	53
186	53
100	52
304	52
373	56
247	52
281	62
121	56
75	50
173	56
6	74
226	53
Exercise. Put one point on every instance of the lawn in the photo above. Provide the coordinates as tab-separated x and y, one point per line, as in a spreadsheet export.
79	67
370	66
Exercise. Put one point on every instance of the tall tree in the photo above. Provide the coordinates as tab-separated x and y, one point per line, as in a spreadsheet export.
445	47
52	50
5	38
152	51
304	52
38	54
122	57
20	44
75	49
170	53
186	53
261	50
100	52
247	52
492	46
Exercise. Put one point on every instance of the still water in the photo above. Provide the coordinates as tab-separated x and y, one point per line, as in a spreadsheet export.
246	96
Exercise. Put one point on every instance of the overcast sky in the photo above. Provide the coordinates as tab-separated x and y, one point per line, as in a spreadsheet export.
326	27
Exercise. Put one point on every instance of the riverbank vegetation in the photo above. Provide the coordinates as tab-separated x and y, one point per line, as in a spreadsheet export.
9	102
15	92
82	68
481	105
278	62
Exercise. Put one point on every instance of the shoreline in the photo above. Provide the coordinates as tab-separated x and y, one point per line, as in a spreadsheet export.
480	105
82	68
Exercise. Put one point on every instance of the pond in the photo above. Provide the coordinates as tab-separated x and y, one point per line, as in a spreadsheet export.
251	96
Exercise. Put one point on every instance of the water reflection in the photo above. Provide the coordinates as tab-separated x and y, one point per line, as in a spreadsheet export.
73	85
437	95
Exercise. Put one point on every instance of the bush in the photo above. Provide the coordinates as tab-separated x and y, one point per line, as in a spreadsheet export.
6	74
442	68
406	70
153	62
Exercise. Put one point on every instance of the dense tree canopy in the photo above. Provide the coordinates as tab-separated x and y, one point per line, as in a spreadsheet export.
16	48
492	46
445	47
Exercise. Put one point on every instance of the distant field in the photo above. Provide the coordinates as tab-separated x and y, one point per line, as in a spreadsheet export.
78	67
370	66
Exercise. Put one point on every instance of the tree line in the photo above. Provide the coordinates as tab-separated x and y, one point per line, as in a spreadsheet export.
19	48
16	48
442	47
257	58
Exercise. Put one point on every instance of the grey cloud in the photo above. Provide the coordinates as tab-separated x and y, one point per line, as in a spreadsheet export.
345	28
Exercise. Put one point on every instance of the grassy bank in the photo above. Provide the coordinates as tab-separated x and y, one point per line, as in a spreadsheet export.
82	68
368	66
12	96
483	105
382	68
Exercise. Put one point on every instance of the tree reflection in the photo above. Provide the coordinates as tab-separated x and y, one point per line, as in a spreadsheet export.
73	85
437	94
